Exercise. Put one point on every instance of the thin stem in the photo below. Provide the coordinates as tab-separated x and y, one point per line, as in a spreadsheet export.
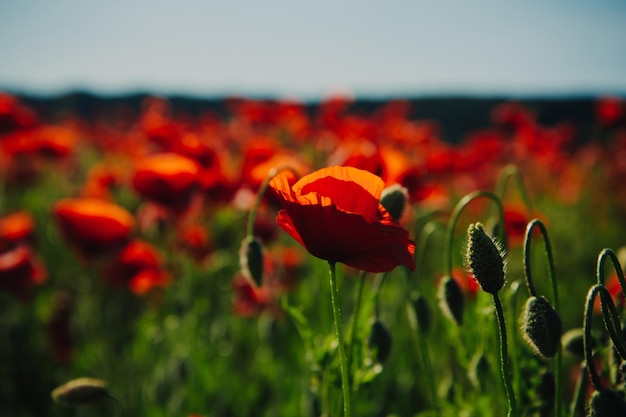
447	253
259	196
513	289
578	401
536	223
355	320
591	367
504	357
505	174
618	268
345	380
612	322
419	335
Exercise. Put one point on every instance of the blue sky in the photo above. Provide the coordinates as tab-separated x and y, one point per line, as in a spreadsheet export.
309	49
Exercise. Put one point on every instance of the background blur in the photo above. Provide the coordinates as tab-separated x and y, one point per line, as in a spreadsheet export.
307	50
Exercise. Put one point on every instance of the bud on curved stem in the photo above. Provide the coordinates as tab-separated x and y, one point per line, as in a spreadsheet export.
611	322
536	223
447	253
485	259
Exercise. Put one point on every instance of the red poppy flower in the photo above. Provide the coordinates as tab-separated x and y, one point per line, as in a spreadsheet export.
20	271
138	266
93	226
167	178
148	279
16	228
336	215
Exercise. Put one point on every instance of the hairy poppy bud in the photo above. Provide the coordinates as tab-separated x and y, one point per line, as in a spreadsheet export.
606	403
541	326
485	258
573	342
380	340
251	259
479	370
394	199
81	391
451	300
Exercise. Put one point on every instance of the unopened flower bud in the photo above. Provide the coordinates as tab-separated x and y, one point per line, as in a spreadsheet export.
251	259
573	342
451	300
81	391
541	326
606	403
485	258
479	370
380	340
394	199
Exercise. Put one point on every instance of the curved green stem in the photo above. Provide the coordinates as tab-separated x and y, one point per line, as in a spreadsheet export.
447	253
504	357
618	268
536	223
259	196
503	178
612	322
345	380
590	364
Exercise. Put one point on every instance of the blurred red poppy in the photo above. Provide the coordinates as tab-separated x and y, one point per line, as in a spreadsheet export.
14	115
195	240
336	215
93	226
20	272
166	178
16	228
609	110
250	300
139	267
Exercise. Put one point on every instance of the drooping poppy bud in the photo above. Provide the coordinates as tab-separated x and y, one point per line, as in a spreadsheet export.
479	370
573	342
485	258
251	260
541	327
451	300
394	199
81	391
380	340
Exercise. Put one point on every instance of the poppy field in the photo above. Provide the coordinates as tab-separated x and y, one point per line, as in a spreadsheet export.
277	259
